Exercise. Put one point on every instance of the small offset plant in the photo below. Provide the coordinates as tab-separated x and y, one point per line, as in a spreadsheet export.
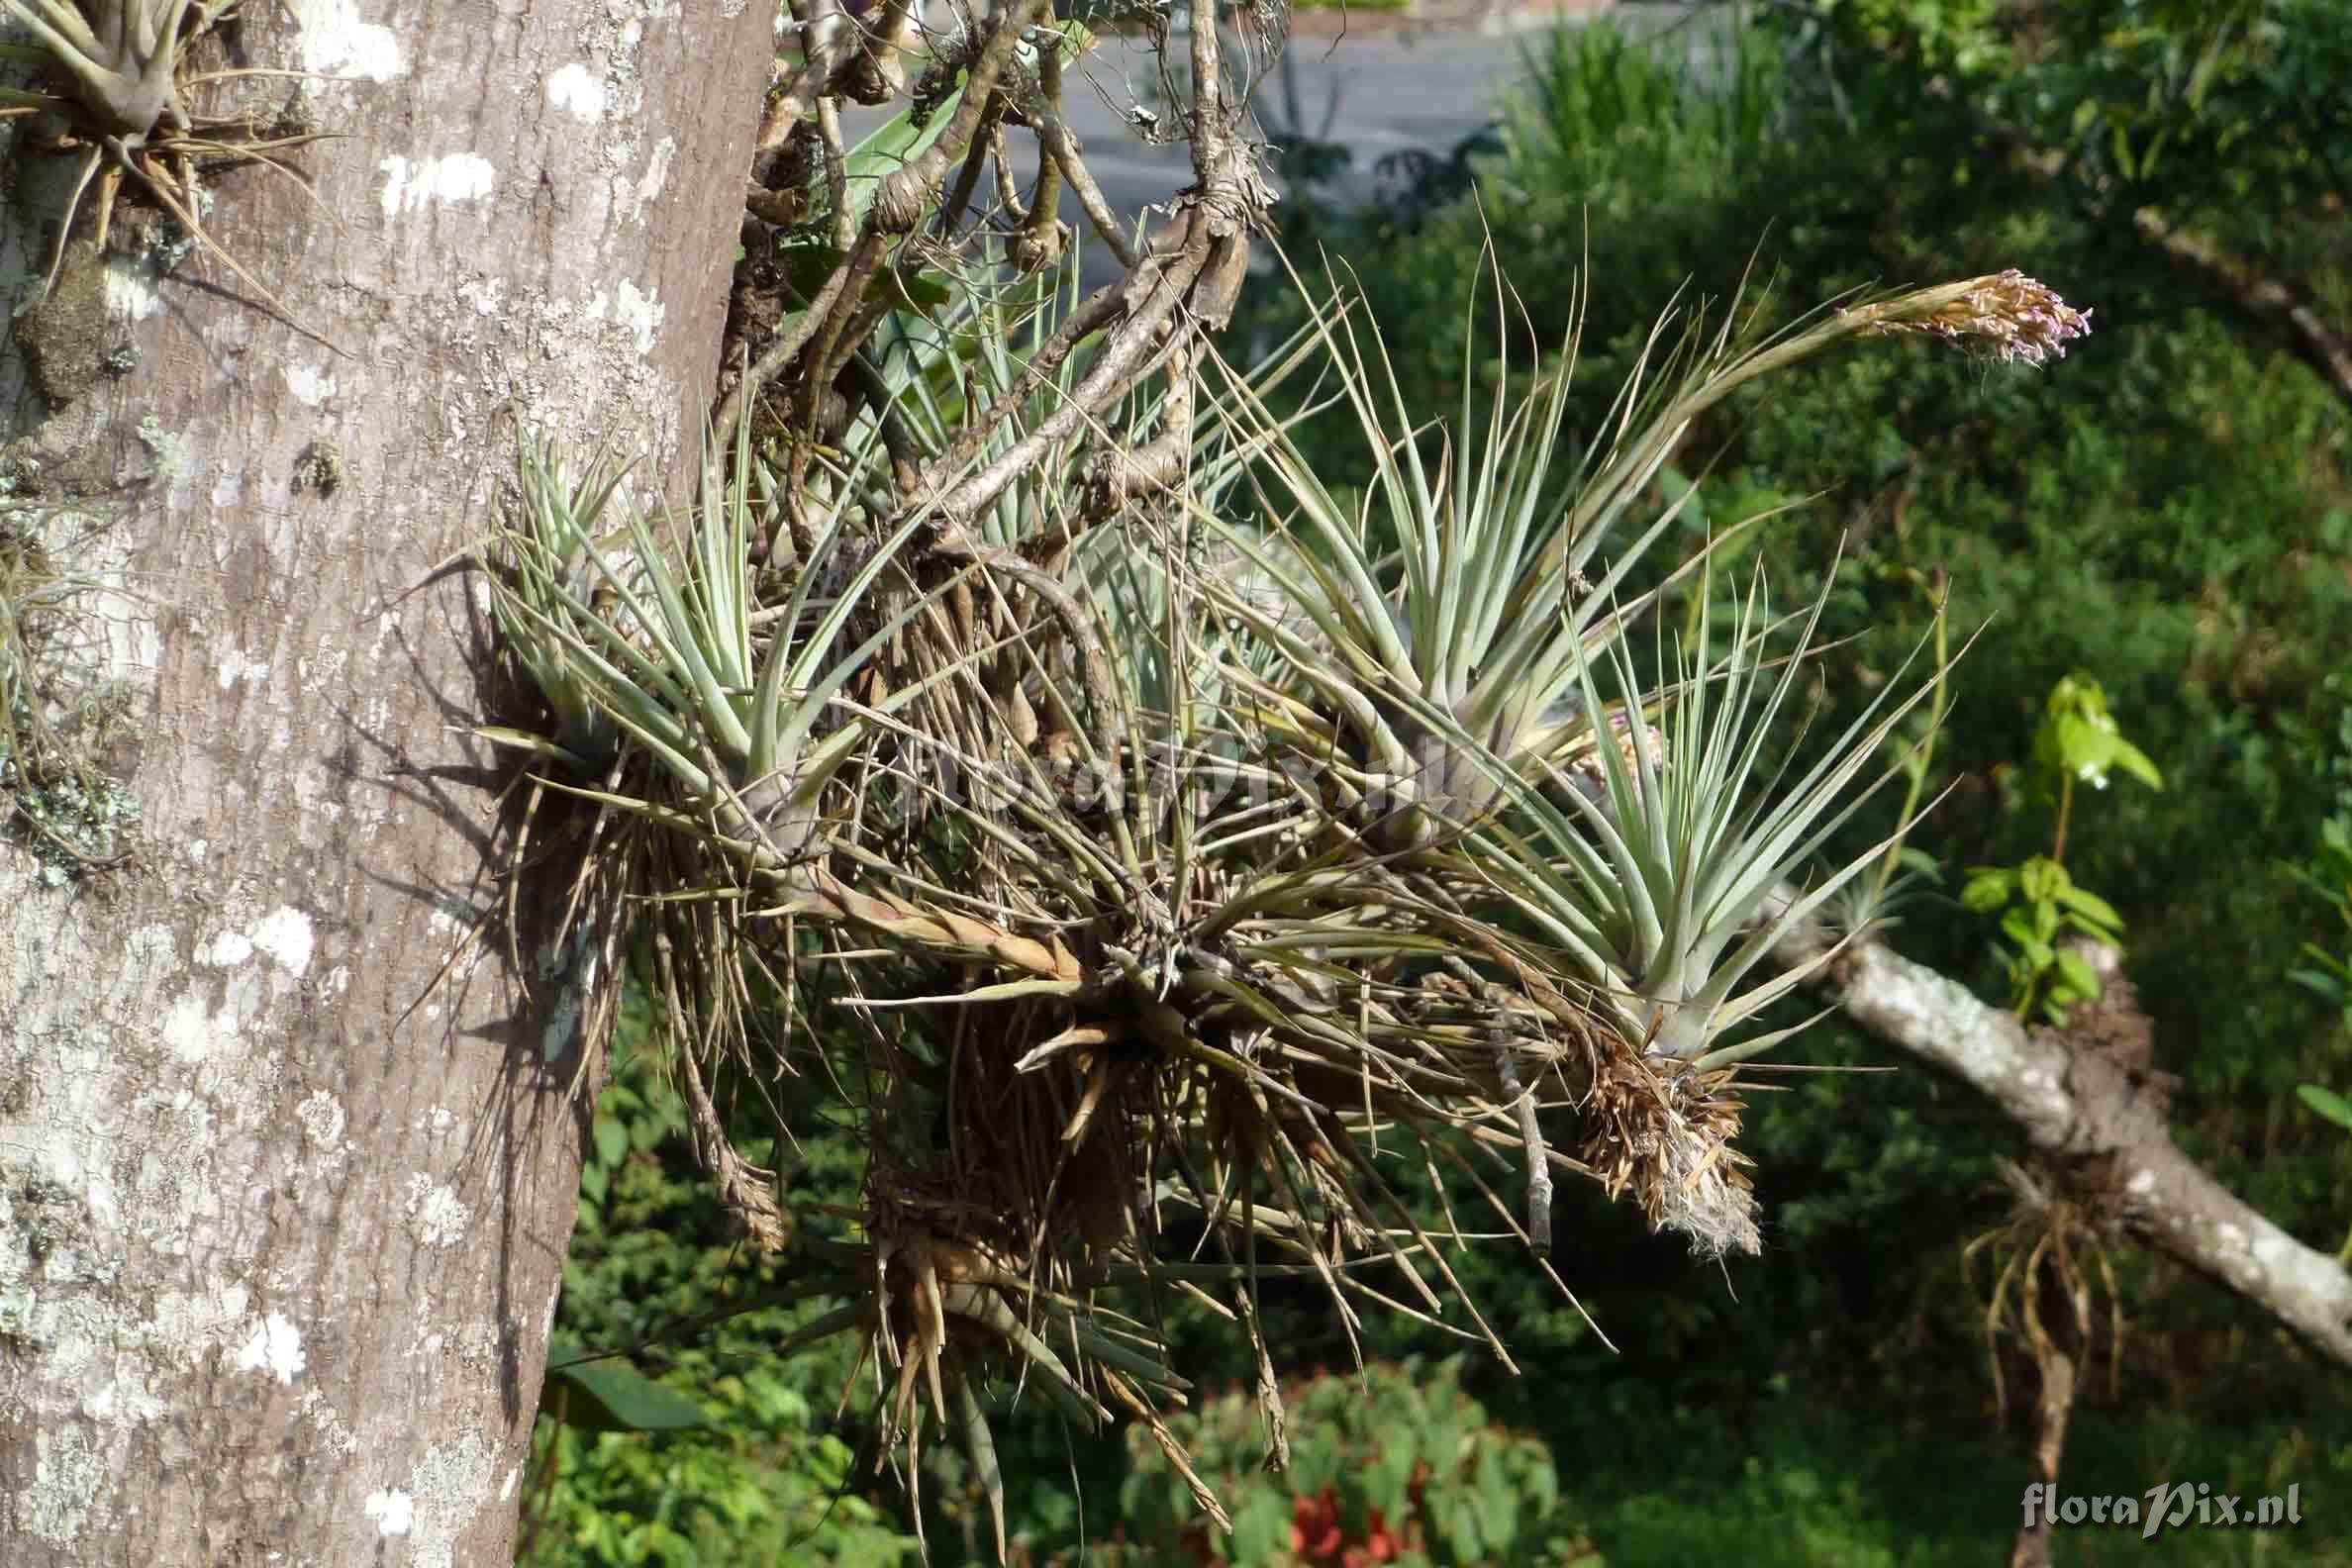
2039	903
116	98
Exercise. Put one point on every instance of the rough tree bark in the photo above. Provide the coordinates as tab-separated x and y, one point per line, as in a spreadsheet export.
287	1158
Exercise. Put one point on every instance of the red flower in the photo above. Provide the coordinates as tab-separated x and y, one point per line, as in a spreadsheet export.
1379	1545
1315	1527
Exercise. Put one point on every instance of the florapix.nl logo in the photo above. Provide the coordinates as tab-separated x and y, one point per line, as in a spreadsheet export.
2174	1505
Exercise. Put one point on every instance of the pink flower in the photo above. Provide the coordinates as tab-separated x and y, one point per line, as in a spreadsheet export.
2005	315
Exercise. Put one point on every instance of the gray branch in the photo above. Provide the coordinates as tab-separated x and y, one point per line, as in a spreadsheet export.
2080	1106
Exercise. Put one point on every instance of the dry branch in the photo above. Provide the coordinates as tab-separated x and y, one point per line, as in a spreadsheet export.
2082	1108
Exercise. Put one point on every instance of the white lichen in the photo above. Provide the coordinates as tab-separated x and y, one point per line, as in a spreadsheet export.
336	43
394	1512
127	1401
285	935
456	177
322	1119
69	1474
631	197
487	295
195	1032
131	292
436	1215
167	451
237	665
225	949
577	91
310	385
641	313
449	1487
275	1349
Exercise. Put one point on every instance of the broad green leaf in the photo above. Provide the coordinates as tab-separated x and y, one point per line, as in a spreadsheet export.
1261	1526
610	1395
612	1141
1988	890
2085	902
2326	984
2077	976
2326	1102
2132	760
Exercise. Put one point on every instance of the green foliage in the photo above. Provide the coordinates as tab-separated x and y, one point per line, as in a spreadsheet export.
2038	902
1400	1465
2328	969
2327	1102
2078	739
694	1445
600	1395
2229	106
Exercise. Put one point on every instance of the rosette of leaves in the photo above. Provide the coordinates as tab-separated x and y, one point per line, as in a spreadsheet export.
1466	662
1608	830
1464	591
1657	864
632	638
1208	842
116	59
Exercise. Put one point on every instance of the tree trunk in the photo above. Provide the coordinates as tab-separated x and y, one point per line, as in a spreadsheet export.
288	1148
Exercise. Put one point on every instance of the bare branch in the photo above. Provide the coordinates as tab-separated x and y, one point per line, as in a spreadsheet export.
908	192
2079	1107
2265	301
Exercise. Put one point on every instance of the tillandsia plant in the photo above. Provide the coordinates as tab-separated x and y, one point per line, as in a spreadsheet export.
116	98
1159	861
117	59
1121	970
626	645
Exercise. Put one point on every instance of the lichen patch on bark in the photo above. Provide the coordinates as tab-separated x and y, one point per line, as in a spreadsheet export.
68	1477
577	91
444	1494
273	1348
435	1216
336	43
409	186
